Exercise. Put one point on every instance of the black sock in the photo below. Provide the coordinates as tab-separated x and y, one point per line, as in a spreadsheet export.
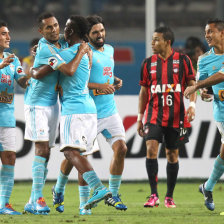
152	171
172	172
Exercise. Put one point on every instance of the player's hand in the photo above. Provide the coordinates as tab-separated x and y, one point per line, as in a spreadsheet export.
84	48
205	96
118	83
106	88
190	114
189	90
34	50
140	128
6	61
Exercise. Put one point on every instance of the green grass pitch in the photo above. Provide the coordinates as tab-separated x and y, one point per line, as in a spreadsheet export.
190	206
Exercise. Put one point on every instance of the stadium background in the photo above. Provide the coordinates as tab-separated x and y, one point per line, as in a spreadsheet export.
125	27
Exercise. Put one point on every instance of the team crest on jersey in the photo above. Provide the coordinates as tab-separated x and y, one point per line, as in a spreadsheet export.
52	61
19	70
175	70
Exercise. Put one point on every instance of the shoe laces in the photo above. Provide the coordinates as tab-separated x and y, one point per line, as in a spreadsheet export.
151	197
9	206
41	201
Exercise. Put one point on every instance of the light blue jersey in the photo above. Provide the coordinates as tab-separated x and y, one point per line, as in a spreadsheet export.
74	92
8	74
209	64
43	92
102	71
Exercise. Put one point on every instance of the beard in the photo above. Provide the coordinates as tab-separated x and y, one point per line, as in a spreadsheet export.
97	44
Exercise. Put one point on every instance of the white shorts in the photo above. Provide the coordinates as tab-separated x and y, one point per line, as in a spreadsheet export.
42	123
7	139
220	126
111	128
78	131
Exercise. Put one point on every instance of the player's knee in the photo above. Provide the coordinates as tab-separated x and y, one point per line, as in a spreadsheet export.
121	151
8	158
151	152
172	156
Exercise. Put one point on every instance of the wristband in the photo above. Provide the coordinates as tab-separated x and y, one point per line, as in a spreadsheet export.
192	104
140	116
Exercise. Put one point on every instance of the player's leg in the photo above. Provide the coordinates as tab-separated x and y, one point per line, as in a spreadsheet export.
152	138
85	169
8	158
84	193
58	190
172	169
218	169
116	169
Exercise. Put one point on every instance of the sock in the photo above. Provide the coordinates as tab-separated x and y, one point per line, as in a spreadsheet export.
45	171
84	192
38	169
217	172
114	184
92	180
61	182
152	171
172	172
6	183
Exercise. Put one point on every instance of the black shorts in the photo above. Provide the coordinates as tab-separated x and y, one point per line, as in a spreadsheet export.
173	137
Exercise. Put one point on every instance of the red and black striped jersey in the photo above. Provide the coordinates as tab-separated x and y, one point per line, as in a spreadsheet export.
166	81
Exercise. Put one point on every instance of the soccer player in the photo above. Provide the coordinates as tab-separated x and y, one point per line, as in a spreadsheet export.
210	73
78	123
42	111
164	76
109	123
10	69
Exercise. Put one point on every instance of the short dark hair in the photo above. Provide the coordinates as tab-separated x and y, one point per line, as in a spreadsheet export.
3	23
34	42
167	33
93	20
219	24
79	24
41	17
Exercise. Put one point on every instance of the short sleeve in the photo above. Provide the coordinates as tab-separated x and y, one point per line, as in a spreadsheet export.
202	73
189	70
144	74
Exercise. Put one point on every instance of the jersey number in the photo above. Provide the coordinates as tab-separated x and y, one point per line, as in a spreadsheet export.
167	100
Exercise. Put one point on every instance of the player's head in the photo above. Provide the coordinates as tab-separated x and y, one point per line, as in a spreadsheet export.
76	27
194	48
48	27
96	33
4	35
162	39
214	32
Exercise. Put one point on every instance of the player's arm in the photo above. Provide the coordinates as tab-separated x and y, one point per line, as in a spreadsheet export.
23	81
71	67
143	100
192	98
102	87
40	72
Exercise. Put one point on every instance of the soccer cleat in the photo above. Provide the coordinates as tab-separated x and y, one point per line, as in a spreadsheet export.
98	195
116	202
41	207
169	202
208	197
29	208
58	200
8	210
83	211
152	201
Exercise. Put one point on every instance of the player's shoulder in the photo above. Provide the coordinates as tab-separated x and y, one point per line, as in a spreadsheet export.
205	56
108	46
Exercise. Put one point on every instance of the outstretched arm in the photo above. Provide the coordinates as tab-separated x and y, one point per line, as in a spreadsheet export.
210	81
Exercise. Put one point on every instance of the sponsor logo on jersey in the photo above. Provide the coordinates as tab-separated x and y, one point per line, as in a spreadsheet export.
6	97
107	71
6	79
153	71
166	88
176	62
154	64
52	61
